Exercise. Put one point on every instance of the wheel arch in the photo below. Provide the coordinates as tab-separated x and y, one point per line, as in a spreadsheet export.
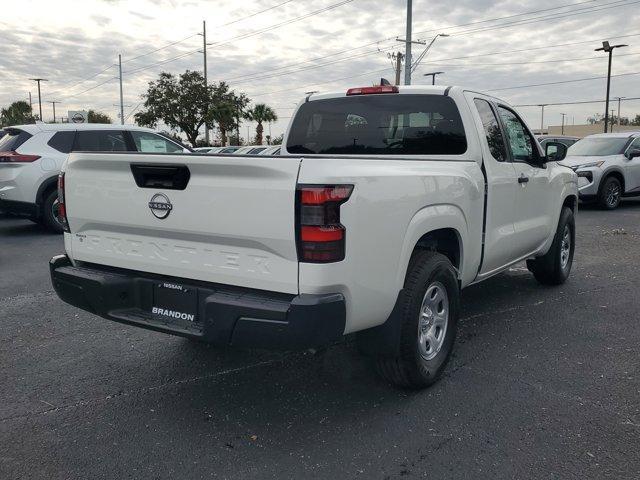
49	184
614	172
442	228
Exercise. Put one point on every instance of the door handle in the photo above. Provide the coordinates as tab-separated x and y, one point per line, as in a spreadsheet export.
523	179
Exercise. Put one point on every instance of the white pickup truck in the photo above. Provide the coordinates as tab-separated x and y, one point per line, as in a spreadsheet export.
385	203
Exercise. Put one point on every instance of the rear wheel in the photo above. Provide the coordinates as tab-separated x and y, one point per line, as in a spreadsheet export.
554	267
50	210
610	193
430	309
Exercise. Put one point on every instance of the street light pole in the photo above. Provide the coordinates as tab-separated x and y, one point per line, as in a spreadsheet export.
606	47
38	80
562	128
433	76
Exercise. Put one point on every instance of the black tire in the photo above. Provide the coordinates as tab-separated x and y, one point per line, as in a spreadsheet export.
610	193
411	368
48	217
552	269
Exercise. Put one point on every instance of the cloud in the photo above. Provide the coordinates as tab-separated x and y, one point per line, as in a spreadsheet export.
68	42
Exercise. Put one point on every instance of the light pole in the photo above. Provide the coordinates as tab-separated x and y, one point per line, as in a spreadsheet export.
426	50
562	128
38	80
433	76
606	47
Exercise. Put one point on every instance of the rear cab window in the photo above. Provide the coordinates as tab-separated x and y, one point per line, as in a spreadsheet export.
385	124
13	139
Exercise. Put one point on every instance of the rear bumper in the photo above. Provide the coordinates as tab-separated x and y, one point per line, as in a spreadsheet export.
226	315
21	209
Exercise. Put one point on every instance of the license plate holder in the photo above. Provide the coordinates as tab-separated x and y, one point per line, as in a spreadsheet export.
175	303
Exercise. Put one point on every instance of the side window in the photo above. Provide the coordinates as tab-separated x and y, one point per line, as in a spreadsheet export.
151	143
100	141
492	130
62	141
635	145
518	137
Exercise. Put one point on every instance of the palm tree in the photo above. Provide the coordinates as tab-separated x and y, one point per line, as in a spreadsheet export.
261	113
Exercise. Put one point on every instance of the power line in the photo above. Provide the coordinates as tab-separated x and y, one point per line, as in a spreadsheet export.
562	82
578	102
528	62
256	13
247	35
161	48
91	88
83	80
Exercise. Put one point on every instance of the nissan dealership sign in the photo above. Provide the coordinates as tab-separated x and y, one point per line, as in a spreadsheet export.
78	116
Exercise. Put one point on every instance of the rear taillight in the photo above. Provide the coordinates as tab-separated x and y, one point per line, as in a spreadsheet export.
62	208
15	157
321	236
373	90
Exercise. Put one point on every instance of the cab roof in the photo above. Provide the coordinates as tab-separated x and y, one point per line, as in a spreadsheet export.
57	127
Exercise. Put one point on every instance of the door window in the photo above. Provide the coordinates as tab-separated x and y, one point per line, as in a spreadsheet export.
519	138
151	143
635	145
100	141
492	130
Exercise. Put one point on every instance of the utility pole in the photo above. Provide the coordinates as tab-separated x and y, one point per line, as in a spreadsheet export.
562	128
619	99
398	58
433	76
407	50
53	102
542	119
121	99
30	102
38	80
606	47
204	54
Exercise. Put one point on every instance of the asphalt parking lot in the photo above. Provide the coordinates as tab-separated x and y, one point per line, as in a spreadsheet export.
545	383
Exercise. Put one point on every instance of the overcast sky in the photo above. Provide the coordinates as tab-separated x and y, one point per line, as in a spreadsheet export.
69	41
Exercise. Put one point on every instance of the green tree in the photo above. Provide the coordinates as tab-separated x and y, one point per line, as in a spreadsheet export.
93	116
226	110
635	121
18	113
260	113
182	103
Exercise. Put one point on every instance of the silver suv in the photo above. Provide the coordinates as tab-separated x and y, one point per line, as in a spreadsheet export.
608	167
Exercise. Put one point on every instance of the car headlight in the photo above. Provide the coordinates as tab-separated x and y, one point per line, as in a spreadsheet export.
592	164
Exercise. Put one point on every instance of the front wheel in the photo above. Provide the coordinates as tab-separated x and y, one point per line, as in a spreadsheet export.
554	267
430	309
610	193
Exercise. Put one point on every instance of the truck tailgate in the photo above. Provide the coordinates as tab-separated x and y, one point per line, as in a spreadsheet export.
233	222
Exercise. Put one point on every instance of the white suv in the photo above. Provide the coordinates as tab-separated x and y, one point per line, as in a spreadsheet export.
31	157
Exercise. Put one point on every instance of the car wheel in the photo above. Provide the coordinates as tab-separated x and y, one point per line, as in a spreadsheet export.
610	193
429	315
554	267
50	212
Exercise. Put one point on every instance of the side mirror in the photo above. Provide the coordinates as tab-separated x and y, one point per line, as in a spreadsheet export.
631	154
555	151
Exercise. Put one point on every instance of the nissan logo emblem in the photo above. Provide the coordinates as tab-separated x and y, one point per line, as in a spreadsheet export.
160	206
